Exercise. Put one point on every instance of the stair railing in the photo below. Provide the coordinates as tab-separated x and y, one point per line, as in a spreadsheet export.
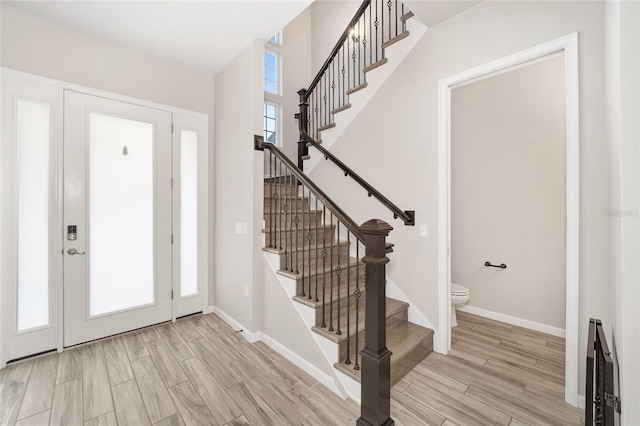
360	49
407	216
601	403
328	273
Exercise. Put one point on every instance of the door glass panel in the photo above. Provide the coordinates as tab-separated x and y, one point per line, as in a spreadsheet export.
188	213
33	139
121	220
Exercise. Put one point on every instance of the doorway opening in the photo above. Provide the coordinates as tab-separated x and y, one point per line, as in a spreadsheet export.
566	46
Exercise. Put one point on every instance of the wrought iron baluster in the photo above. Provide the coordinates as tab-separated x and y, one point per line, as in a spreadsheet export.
364	40
285	210
357	295
271	197
317	225
280	208
396	21
324	264
309	238
376	23
331	276
289	223
338	278
296	220
353	58
382	24
358	41
333	87
348	360
324	99
344	87
389	4
370	38
301	252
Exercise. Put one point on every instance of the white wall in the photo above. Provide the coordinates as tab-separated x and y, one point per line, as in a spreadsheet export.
508	191
393	142
42	47
296	74
623	133
329	19
238	188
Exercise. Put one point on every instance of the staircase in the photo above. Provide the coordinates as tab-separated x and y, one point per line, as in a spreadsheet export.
333	269
330	280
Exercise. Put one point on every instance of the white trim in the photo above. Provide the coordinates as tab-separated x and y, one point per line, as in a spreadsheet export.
581	401
208	309
57	266
568	44
508	319
414	314
301	363
237	327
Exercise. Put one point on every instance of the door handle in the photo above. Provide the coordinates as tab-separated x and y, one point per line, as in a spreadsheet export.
73	251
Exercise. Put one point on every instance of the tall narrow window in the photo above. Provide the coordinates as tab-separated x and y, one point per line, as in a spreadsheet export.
272	90
188	213
270	122
33	141
270	72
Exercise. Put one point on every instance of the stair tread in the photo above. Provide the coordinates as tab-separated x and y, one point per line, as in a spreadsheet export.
265	230
343	264
305	212
317	305
342	244
403	337
393	307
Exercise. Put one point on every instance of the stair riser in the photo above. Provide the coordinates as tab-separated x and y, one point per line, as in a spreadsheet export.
328	275
408	362
282	190
276	205
400	316
331	312
288	238
313	257
287	220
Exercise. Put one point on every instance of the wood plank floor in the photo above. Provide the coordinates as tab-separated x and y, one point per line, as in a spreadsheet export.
199	372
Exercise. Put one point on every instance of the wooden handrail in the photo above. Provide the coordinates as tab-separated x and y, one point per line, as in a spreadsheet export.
336	48
407	216
260	145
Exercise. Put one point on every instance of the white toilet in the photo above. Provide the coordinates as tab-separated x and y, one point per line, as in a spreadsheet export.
459	297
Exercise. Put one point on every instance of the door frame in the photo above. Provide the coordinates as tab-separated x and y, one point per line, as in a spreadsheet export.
569	45
56	288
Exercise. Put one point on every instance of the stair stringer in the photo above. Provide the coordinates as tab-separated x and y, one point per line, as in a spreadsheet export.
414	314
339	383
375	78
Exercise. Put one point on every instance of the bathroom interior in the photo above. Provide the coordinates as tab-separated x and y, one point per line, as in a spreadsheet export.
509	196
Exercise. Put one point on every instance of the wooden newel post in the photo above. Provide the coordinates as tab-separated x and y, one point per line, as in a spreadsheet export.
303	125
376	358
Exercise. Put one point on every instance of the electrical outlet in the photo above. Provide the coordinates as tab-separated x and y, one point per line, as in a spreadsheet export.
246	291
424	230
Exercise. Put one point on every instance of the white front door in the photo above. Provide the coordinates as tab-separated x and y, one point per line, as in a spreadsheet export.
117	217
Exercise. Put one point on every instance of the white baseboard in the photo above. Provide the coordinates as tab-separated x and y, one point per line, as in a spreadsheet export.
581	401
302	363
531	325
248	335
208	310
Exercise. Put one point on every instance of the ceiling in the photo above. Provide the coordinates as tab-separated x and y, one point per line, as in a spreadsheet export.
432	12
205	35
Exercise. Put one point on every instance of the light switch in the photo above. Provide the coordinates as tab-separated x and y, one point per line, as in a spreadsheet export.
241	228
424	230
